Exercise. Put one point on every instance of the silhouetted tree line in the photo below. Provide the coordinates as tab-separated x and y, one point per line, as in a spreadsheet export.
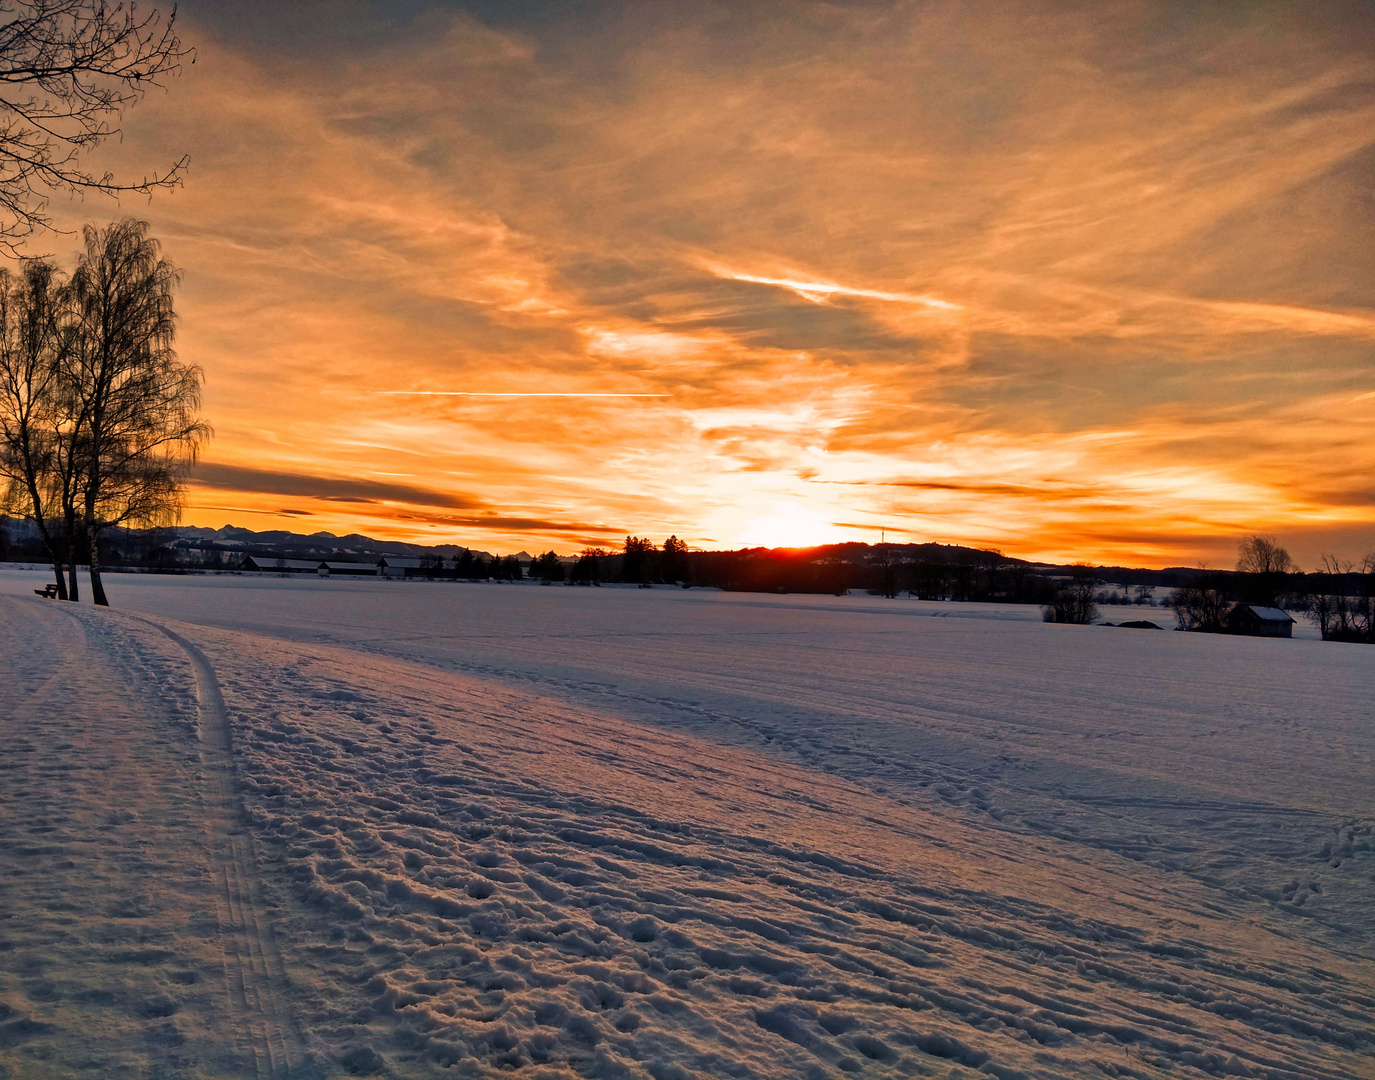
1341	600
589	568
927	571
472	566
639	562
1339	597
547	567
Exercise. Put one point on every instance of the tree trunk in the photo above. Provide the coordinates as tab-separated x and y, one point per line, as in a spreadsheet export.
98	596
57	572
56	550
73	532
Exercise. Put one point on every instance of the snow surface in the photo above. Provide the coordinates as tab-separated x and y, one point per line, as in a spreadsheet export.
452	829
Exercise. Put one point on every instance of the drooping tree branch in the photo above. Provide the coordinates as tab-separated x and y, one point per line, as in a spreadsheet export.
68	71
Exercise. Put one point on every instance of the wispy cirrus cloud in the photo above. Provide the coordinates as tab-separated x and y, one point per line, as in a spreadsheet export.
820	291
1073	282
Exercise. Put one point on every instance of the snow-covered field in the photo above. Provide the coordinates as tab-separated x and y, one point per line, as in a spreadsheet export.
329	827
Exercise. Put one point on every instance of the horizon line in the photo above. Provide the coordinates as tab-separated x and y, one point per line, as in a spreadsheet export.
512	394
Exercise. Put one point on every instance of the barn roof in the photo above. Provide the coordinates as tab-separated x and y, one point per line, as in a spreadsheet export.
404	562
1269	614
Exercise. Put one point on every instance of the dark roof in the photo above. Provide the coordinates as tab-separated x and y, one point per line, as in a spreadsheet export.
1267	614
267	562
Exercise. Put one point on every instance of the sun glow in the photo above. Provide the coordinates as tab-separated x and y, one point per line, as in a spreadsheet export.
790	525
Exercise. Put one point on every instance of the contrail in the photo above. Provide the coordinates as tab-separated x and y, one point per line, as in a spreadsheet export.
485	393
814	289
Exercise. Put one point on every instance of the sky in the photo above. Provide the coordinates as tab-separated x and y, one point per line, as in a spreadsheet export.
1070	281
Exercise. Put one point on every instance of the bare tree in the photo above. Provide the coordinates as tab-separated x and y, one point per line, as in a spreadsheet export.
1265	570
31	425
1343	603
68	71
1363	607
134	405
1257	554
1075	600
1202	602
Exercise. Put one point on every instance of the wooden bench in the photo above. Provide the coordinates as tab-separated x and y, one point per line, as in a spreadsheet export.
48	591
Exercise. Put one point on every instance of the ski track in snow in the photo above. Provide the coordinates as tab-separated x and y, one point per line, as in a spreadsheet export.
255	977
112	924
470	875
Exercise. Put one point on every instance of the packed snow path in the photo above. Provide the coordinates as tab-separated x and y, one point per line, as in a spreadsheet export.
135	940
467	878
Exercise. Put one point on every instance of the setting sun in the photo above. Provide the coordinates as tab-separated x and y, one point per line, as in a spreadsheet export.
790	525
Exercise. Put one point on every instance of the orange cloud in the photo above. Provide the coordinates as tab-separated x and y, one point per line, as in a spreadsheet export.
1080	283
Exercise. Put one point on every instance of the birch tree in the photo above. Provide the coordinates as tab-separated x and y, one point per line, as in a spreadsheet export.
31	419
134	404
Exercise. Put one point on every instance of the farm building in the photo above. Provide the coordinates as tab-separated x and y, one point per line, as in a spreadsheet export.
349	569
399	566
1259	621
269	565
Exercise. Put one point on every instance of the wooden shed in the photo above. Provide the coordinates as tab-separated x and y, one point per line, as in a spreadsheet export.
1257	620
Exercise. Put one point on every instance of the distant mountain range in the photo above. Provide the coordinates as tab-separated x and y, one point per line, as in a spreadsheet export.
285	544
274	542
